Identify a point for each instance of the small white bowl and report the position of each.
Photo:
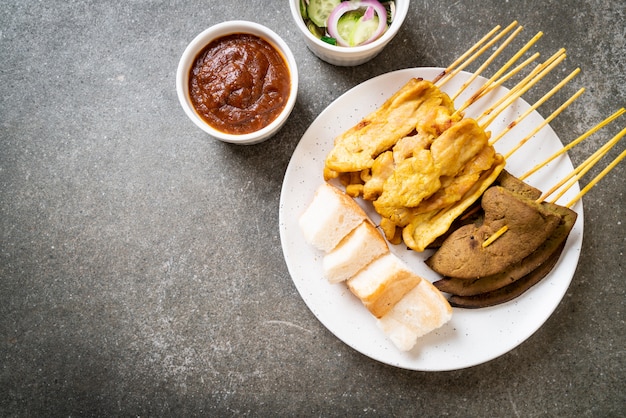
(203, 39)
(349, 56)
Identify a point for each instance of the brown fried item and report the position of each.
(464, 287)
(511, 291)
(512, 183)
(529, 224)
(475, 214)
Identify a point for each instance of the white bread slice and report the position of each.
(330, 216)
(420, 311)
(359, 248)
(383, 283)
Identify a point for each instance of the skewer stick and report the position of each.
(591, 162)
(491, 84)
(573, 179)
(523, 82)
(574, 143)
(495, 236)
(585, 167)
(511, 73)
(471, 59)
(466, 54)
(517, 92)
(535, 106)
(502, 69)
(588, 163)
(597, 179)
(487, 62)
(545, 122)
(579, 172)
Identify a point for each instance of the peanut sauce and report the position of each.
(239, 83)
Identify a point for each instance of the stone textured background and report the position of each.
(141, 270)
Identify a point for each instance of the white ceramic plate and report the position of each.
(472, 336)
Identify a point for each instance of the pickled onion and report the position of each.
(371, 6)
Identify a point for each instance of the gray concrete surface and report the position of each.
(141, 270)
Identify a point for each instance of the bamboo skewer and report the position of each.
(487, 62)
(525, 81)
(585, 166)
(588, 166)
(490, 85)
(574, 143)
(545, 122)
(596, 179)
(466, 54)
(580, 171)
(495, 236)
(577, 175)
(498, 74)
(451, 74)
(535, 106)
(576, 178)
(521, 88)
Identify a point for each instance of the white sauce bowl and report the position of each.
(202, 40)
(349, 56)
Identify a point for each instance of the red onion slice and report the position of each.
(347, 6)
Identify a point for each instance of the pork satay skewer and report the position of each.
(546, 121)
(474, 56)
(573, 143)
(534, 106)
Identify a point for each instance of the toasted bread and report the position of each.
(355, 252)
(383, 283)
(422, 310)
(359, 248)
(330, 216)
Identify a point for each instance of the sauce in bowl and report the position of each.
(239, 83)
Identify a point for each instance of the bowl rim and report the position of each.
(401, 13)
(217, 31)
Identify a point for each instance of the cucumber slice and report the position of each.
(347, 23)
(319, 10)
(353, 29)
(363, 31)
